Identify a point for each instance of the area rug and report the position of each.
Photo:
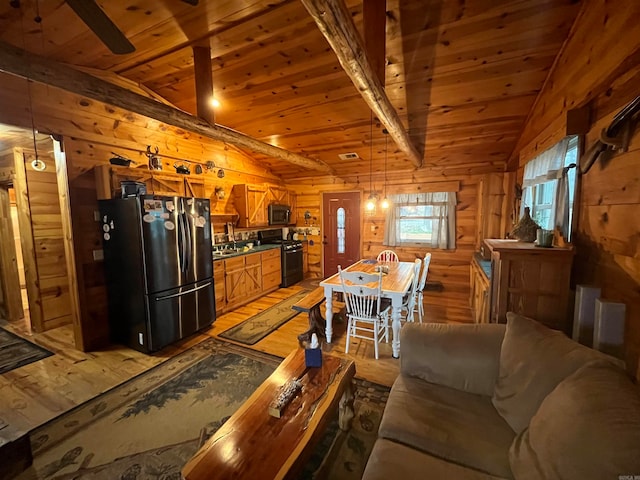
(255, 328)
(149, 427)
(15, 351)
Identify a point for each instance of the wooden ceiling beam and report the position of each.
(374, 16)
(203, 73)
(39, 69)
(335, 23)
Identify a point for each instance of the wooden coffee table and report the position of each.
(252, 444)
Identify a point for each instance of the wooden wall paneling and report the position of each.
(47, 228)
(11, 298)
(601, 71)
(62, 179)
(450, 268)
(583, 71)
(93, 332)
(27, 242)
(104, 129)
(67, 78)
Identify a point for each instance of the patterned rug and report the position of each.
(255, 328)
(149, 427)
(15, 351)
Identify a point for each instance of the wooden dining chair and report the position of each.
(366, 317)
(422, 284)
(387, 256)
(410, 303)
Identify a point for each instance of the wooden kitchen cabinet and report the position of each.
(480, 288)
(239, 280)
(271, 270)
(234, 281)
(243, 279)
(531, 281)
(219, 286)
(251, 202)
(253, 275)
(157, 182)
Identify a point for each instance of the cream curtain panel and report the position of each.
(547, 167)
(443, 233)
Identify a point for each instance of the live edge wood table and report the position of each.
(254, 445)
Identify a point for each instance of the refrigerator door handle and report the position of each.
(189, 247)
(166, 297)
(182, 240)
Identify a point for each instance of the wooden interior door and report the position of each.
(341, 230)
(10, 297)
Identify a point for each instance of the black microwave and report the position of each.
(279, 214)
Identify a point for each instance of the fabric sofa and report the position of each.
(506, 401)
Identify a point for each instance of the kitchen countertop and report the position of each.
(255, 249)
(485, 265)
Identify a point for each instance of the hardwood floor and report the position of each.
(35, 393)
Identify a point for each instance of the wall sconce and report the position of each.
(219, 192)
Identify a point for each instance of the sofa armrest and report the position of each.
(464, 357)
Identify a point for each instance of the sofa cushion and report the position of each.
(392, 460)
(466, 357)
(587, 428)
(534, 359)
(457, 426)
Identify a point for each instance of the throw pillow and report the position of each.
(587, 428)
(534, 359)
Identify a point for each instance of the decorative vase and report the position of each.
(526, 228)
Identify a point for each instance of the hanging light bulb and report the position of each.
(385, 200)
(371, 203)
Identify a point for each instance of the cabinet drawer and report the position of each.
(271, 280)
(271, 265)
(269, 254)
(233, 264)
(252, 259)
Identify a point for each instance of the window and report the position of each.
(549, 186)
(421, 219)
(340, 221)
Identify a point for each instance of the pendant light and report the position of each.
(385, 201)
(370, 206)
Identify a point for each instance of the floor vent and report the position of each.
(348, 156)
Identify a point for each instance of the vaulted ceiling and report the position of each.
(461, 74)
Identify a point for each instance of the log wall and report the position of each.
(601, 72)
(448, 267)
(91, 131)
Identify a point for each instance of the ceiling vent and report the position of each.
(348, 156)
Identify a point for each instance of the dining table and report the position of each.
(396, 282)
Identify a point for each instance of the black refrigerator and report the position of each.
(158, 267)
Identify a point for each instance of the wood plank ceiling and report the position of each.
(461, 74)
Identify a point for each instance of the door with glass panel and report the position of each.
(341, 230)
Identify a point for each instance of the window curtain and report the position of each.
(562, 204)
(546, 167)
(444, 226)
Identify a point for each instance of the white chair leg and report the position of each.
(420, 308)
(346, 348)
(375, 338)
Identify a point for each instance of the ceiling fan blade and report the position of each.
(102, 26)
